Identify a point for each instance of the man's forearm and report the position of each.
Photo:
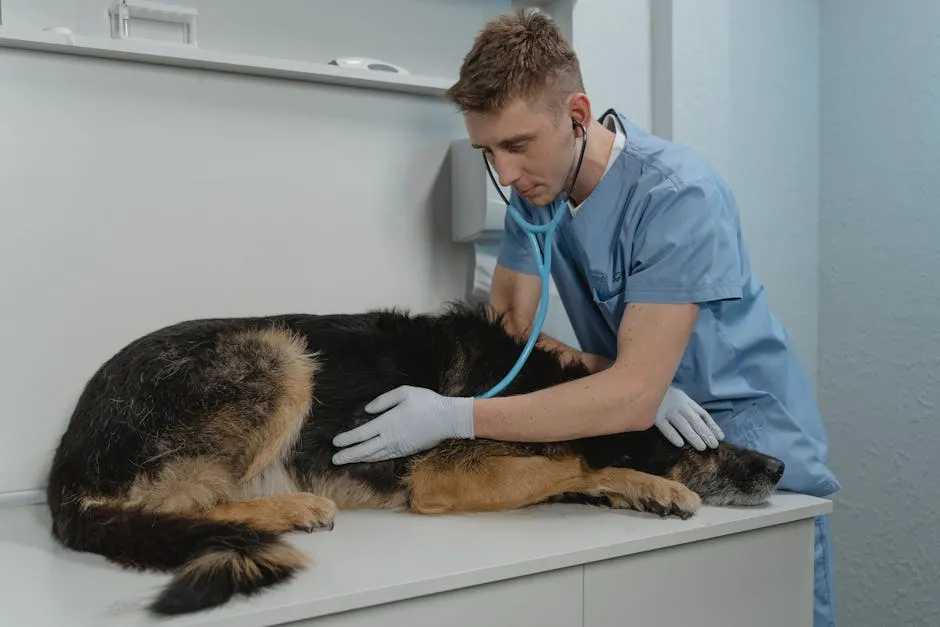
(623, 397)
(600, 404)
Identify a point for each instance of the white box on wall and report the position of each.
(477, 210)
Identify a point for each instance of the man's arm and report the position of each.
(624, 397)
(516, 296)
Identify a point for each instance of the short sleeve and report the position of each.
(687, 246)
(515, 251)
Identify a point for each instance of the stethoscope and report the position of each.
(543, 259)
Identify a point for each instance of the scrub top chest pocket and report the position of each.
(608, 292)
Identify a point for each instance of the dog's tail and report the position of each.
(212, 560)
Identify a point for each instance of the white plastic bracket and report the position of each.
(122, 12)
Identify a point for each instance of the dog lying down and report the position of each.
(195, 447)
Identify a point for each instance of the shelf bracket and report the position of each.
(123, 12)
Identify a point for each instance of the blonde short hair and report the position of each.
(521, 54)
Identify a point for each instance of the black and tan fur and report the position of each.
(194, 448)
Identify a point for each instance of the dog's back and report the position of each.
(178, 389)
(462, 352)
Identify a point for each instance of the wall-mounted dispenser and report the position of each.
(478, 211)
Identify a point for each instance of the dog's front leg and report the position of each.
(503, 482)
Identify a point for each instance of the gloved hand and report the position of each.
(414, 420)
(680, 414)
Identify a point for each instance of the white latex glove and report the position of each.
(412, 420)
(679, 414)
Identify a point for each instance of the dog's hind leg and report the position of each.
(265, 424)
(222, 478)
(445, 483)
(229, 464)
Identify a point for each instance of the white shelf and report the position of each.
(183, 56)
(370, 558)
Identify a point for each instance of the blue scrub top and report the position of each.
(663, 227)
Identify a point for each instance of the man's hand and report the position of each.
(516, 296)
(414, 420)
(679, 414)
(593, 363)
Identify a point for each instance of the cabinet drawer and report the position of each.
(551, 599)
(762, 577)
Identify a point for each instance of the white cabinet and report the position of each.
(764, 577)
(546, 566)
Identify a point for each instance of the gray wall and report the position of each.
(825, 117)
(774, 154)
(879, 309)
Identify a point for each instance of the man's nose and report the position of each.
(506, 170)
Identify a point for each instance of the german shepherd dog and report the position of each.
(196, 447)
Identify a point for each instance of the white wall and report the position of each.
(880, 305)
(612, 39)
(136, 195)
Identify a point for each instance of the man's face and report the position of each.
(529, 148)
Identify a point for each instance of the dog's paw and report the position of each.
(673, 499)
(662, 510)
(662, 498)
(318, 514)
(303, 511)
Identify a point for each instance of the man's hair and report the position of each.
(521, 54)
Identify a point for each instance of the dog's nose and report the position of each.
(775, 468)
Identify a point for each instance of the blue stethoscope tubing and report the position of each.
(543, 260)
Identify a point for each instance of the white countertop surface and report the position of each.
(370, 557)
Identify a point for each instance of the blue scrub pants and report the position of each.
(823, 580)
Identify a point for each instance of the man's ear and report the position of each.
(579, 107)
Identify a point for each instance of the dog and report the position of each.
(196, 447)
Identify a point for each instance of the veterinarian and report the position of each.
(650, 262)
